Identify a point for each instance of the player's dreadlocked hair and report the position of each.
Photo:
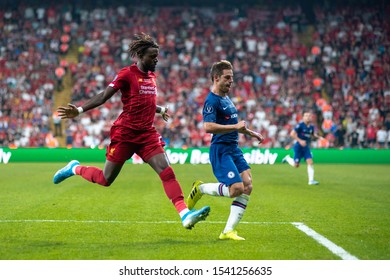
(218, 67)
(140, 44)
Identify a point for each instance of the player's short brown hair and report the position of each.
(218, 67)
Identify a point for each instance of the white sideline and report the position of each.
(337, 250)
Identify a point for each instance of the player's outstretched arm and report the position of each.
(71, 111)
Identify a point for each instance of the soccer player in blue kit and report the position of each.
(302, 134)
(220, 117)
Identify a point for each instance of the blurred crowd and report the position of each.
(31, 42)
(337, 67)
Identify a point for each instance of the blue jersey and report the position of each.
(221, 110)
(226, 159)
(304, 132)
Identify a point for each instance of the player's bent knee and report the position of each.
(107, 184)
(103, 180)
(236, 189)
(248, 189)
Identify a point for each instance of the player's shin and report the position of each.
(310, 172)
(237, 210)
(92, 174)
(215, 189)
(172, 189)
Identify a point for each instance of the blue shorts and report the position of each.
(301, 152)
(227, 161)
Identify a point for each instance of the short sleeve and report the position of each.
(209, 112)
(297, 128)
(120, 80)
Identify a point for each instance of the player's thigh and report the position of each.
(223, 165)
(119, 152)
(159, 162)
(308, 155)
(298, 154)
(246, 176)
(239, 160)
(243, 168)
(111, 170)
(151, 144)
(152, 151)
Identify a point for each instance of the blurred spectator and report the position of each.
(381, 137)
(353, 138)
(371, 135)
(51, 141)
(361, 130)
(339, 134)
(57, 124)
(60, 73)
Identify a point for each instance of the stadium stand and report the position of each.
(336, 65)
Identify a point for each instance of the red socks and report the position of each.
(92, 174)
(172, 189)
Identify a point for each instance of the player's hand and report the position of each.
(241, 127)
(68, 112)
(257, 135)
(302, 142)
(165, 115)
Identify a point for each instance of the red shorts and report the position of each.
(125, 142)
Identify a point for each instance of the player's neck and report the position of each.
(140, 68)
(218, 92)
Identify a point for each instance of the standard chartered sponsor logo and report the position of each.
(147, 89)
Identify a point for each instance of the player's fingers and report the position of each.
(63, 116)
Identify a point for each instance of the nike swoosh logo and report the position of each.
(224, 108)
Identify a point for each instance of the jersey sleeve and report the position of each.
(121, 80)
(297, 128)
(209, 111)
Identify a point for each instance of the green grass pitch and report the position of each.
(134, 220)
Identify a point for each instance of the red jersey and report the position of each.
(139, 92)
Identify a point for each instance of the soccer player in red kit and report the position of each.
(133, 131)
